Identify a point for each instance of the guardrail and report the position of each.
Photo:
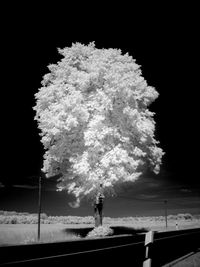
(153, 249)
(77, 250)
(169, 246)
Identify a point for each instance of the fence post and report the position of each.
(39, 205)
(148, 241)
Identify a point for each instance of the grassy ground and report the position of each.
(154, 225)
(27, 233)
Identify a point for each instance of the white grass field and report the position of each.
(150, 223)
(27, 233)
(11, 234)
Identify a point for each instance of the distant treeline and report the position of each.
(13, 217)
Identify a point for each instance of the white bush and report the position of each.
(100, 231)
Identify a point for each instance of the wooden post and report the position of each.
(39, 205)
(176, 225)
(165, 201)
(148, 241)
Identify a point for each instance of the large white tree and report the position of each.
(96, 128)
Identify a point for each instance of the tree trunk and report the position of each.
(98, 214)
(98, 207)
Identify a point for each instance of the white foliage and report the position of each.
(92, 110)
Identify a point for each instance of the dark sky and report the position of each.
(164, 44)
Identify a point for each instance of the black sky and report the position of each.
(164, 44)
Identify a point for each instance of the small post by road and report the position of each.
(149, 237)
(39, 205)
(165, 201)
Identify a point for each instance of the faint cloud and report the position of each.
(25, 186)
(1, 185)
(75, 204)
(153, 184)
(46, 187)
(185, 190)
(51, 189)
(147, 196)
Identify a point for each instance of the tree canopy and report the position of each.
(92, 111)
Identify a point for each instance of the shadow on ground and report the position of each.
(117, 230)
